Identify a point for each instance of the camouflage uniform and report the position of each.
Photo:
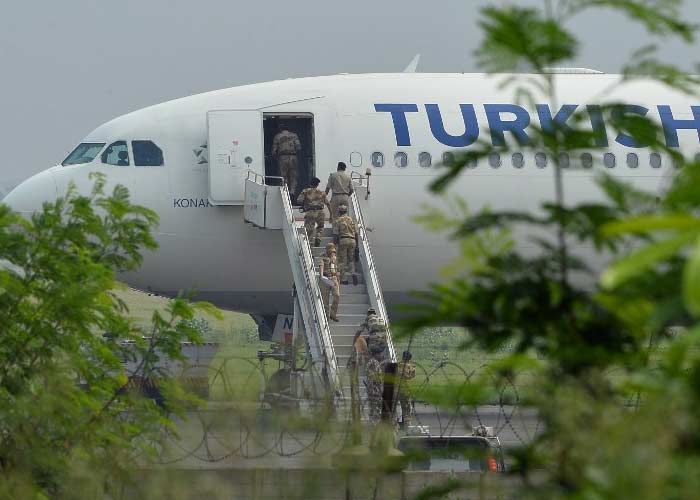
(312, 201)
(330, 270)
(375, 375)
(285, 147)
(405, 373)
(340, 185)
(346, 231)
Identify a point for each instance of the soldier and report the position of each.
(364, 327)
(340, 184)
(405, 372)
(328, 269)
(345, 230)
(377, 339)
(375, 384)
(312, 201)
(285, 148)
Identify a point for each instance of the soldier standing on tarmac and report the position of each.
(340, 184)
(405, 372)
(346, 231)
(330, 286)
(285, 148)
(312, 201)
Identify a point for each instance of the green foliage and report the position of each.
(66, 404)
(522, 39)
(589, 340)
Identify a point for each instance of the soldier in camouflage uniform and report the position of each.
(285, 148)
(345, 230)
(329, 269)
(405, 372)
(312, 201)
(375, 385)
(340, 184)
(364, 327)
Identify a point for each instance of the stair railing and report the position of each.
(308, 290)
(374, 289)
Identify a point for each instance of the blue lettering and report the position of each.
(437, 127)
(600, 133)
(288, 323)
(498, 126)
(550, 124)
(626, 139)
(517, 125)
(672, 125)
(398, 116)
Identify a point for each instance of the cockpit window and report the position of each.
(117, 154)
(147, 154)
(84, 153)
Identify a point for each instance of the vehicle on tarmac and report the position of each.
(480, 452)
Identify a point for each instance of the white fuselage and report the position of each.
(210, 249)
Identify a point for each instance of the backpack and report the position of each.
(375, 324)
(377, 342)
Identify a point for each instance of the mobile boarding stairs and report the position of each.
(329, 344)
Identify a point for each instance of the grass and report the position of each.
(237, 375)
(142, 305)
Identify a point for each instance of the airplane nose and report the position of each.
(29, 196)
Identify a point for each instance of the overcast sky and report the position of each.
(68, 66)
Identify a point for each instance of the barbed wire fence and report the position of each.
(242, 419)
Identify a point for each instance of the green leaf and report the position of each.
(691, 281)
(651, 223)
(638, 262)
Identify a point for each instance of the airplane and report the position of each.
(187, 159)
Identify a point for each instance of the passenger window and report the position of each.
(632, 160)
(401, 159)
(472, 161)
(655, 160)
(116, 153)
(355, 159)
(609, 160)
(564, 161)
(541, 160)
(586, 160)
(518, 160)
(147, 154)
(495, 159)
(448, 158)
(678, 163)
(425, 160)
(377, 159)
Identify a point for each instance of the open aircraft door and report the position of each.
(235, 146)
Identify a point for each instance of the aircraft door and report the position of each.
(235, 146)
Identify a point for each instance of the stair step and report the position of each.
(342, 350)
(360, 289)
(348, 308)
(338, 329)
(351, 319)
(354, 298)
